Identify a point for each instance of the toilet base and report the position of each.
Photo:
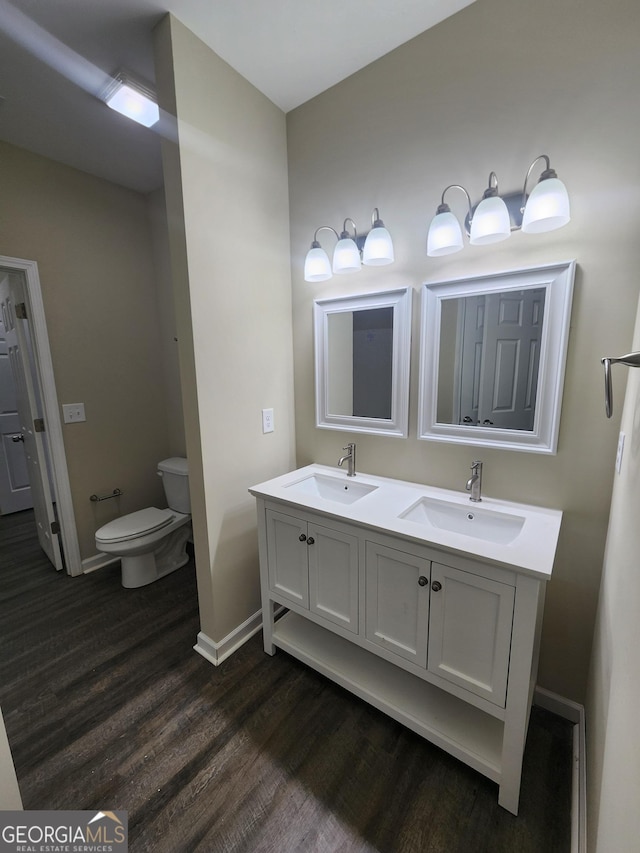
(171, 554)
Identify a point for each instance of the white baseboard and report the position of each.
(557, 704)
(573, 712)
(216, 653)
(98, 561)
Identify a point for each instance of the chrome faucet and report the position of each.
(350, 456)
(474, 483)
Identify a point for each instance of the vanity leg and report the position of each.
(509, 796)
(267, 627)
(525, 645)
(267, 604)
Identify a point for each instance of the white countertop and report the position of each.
(532, 550)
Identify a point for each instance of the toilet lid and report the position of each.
(135, 524)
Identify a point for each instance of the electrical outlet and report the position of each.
(267, 420)
(619, 452)
(73, 413)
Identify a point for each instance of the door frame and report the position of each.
(44, 370)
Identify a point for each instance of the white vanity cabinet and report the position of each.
(313, 565)
(457, 624)
(428, 626)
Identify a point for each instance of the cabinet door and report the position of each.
(470, 631)
(287, 555)
(397, 602)
(333, 576)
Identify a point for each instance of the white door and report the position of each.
(397, 602)
(500, 355)
(470, 631)
(12, 296)
(513, 332)
(15, 490)
(288, 557)
(333, 575)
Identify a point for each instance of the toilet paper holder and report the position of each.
(632, 359)
(114, 494)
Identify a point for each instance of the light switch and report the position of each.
(73, 413)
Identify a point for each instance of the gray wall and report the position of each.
(613, 745)
(226, 188)
(490, 89)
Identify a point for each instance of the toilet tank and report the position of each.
(175, 479)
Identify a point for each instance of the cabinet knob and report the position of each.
(422, 580)
(302, 537)
(436, 586)
(310, 540)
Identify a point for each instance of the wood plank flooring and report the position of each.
(107, 706)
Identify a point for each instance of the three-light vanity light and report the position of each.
(495, 217)
(350, 252)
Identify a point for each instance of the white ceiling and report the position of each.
(55, 56)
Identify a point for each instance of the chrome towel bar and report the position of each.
(114, 494)
(632, 359)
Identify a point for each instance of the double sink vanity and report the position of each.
(426, 602)
(421, 602)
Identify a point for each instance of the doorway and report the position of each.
(37, 415)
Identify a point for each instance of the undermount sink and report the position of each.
(469, 520)
(337, 489)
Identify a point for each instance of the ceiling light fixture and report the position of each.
(495, 217)
(372, 249)
(132, 98)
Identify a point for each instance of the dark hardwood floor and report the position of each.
(107, 706)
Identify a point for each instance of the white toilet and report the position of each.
(152, 542)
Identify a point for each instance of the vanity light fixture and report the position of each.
(495, 217)
(131, 98)
(372, 249)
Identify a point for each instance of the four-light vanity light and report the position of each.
(495, 217)
(374, 249)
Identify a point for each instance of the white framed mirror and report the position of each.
(362, 356)
(492, 358)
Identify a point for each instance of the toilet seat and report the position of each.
(135, 524)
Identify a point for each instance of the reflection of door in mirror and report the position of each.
(491, 345)
(360, 362)
(372, 362)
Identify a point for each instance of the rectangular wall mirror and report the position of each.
(362, 354)
(492, 358)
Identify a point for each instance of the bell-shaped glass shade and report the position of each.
(490, 222)
(378, 248)
(346, 257)
(445, 235)
(547, 207)
(316, 265)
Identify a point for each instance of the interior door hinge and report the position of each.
(55, 527)
(21, 311)
(38, 424)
